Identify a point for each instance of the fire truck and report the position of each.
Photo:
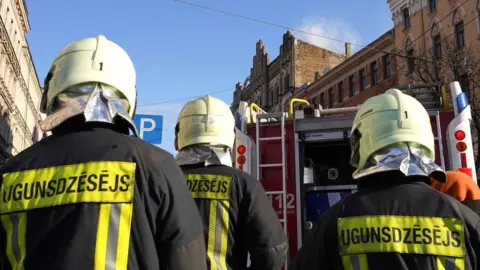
(302, 157)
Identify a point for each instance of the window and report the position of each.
(351, 85)
(287, 82)
(331, 97)
(460, 35)
(276, 94)
(386, 66)
(322, 100)
(437, 46)
(465, 84)
(374, 72)
(433, 5)
(270, 98)
(406, 18)
(341, 92)
(410, 61)
(363, 79)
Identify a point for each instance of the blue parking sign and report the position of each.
(149, 127)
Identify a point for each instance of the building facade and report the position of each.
(272, 84)
(430, 29)
(20, 91)
(368, 72)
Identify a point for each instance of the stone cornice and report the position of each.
(22, 15)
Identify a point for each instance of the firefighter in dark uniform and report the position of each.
(237, 214)
(91, 196)
(395, 220)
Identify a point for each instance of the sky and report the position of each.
(181, 52)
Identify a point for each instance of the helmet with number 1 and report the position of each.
(206, 120)
(91, 60)
(387, 120)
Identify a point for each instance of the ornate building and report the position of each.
(20, 91)
(367, 73)
(272, 84)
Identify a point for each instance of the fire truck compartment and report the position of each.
(328, 163)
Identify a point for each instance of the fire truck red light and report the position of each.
(460, 135)
(461, 146)
(241, 149)
(241, 160)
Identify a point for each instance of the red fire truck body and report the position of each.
(303, 161)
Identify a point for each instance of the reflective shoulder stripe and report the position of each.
(113, 236)
(209, 186)
(450, 263)
(15, 226)
(401, 234)
(355, 262)
(217, 239)
(91, 182)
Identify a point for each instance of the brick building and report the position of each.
(368, 72)
(423, 27)
(272, 84)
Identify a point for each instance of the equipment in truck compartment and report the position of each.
(331, 162)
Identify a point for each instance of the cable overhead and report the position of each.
(306, 32)
(381, 65)
(185, 98)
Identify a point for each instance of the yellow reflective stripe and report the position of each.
(91, 182)
(450, 263)
(102, 236)
(124, 230)
(15, 226)
(218, 227)
(355, 262)
(212, 224)
(402, 234)
(224, 207)
(113, 236)
(209, 186)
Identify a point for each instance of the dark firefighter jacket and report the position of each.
(394, 222)
(97, 199)
(238, 218)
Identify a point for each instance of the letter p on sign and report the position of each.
(149, 127)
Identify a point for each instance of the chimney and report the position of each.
(348, 49)
(238, 87)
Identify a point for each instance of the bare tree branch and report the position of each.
(452, 64)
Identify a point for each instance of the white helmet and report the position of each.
(205, 120)
(91, 60)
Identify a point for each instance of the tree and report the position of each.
(445, 63)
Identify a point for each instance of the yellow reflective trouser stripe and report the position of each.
(218, 234)
(113, 236)
(355, 262)
(15, 226)
(450, 263)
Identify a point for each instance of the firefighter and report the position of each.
(90, 196)
(462, 187)
(237, 214)
(395, 220)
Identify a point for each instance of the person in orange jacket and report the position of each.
(462, 187)
(459, 185)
